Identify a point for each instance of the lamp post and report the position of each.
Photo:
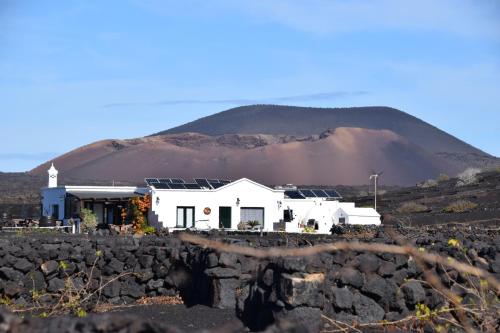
(375, 178)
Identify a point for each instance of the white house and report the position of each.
(212, 208)
(218, 204)
(209, 204)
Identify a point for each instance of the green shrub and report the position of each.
(412, 207)
(460, 206)
(309, 230)
(89, 220)
(253, 224)
(149, 230)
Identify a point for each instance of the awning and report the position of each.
(104, 194)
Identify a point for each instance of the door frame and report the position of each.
(221, 225)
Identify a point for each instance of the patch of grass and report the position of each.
(412, 207)
(460, 206)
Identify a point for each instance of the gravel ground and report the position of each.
(189, 319)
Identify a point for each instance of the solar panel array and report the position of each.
(312, 193)
(179, 183)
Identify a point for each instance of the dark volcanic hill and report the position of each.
(282, 144)
(303, 121)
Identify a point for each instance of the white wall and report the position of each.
(250, 194)
(53, 196)
(319, 209)
(359, 216)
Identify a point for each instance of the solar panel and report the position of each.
(202, 182)
(192, 186)
(177, 181)
(161, 186)
(164, 180)
(213, 180)
(224, 181)
(294, 195)
(308, 193)
(320, 193)
(332, 193)
(177, 186)
(151, 181)
(215, 184)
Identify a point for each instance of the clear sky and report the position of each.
(73, 72)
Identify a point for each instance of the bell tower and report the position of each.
(52, 176)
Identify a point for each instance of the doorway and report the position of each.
(225, 217)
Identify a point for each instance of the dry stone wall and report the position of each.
(346, 286)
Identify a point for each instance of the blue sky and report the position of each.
(74, 72)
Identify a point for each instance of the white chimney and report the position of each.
(52, 176)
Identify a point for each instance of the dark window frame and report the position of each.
(184, 208)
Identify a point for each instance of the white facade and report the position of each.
(321, 214)
(53, 201)
(318, 212)
(239, 200)
(202, 209)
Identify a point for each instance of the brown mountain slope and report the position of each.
(341, 156)
(294, 120)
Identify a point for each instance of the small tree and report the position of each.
(136, 214)
(89, 220)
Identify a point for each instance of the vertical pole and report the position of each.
(376, 177)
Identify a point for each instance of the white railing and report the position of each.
(72, 227)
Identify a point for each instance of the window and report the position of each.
(252, 214)
(185, 217)
(288, 215)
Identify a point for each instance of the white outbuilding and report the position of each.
(349, 214)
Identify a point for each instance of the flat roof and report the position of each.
(360, 211)
(103, 192)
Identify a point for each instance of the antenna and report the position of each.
(375, 176)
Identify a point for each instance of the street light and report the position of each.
(375, 180)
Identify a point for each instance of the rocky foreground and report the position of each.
(45, 275)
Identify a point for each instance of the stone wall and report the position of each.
(346, 286)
